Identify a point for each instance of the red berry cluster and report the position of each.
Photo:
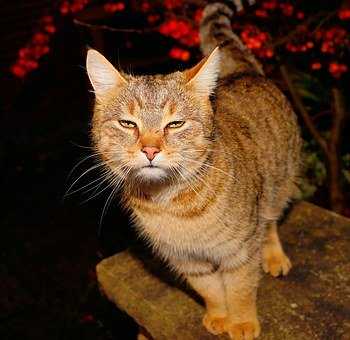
(179, 53)
(332, 38)
(261, 13)
(112, 7)
(315, 66)
(337, 69)
(38, 46)
(153, 18)
(172, 4)
(299, 48)
(87, 318)
(145, 6)
(180, 30)
(287, 9)
(72, 6)
(256, 41)
(269, 5)
(197, 16)
(344, 14)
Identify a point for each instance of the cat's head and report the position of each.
(153, 128)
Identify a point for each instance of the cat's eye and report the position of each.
(127, 124)
(175, 124)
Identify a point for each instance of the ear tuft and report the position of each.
(203, 77)
(102, 74)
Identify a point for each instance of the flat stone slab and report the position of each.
(312, 302)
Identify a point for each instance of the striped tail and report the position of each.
(215, 30)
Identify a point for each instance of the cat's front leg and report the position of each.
(241, 288)
(210, 287)
(207, 282)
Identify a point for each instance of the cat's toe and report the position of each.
(214, 324)
(244, 330)
(276, 263)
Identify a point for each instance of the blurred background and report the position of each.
(53, 231)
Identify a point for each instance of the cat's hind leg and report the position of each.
(274, 260)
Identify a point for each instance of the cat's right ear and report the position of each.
(102, 74)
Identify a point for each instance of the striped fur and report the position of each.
(231, 169)
(215, 30)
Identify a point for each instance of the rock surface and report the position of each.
(312, 302)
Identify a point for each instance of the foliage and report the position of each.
(316, 41)
(313, 40)
(314, 170)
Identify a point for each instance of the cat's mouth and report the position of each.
(151, 172)
(151, 166)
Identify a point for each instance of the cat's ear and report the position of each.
(102, 74)
(203, 77)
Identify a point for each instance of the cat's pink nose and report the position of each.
(150, 152)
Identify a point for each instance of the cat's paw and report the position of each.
(275, 262)
(248, 330)
(214, 324)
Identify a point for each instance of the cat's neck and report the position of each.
(198, 186)
(161, 192)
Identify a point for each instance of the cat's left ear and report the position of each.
(203, 77)
(102, 74)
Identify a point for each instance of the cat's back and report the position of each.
(259, 130)
(252, 109)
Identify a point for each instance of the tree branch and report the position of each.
(334, 162)
(302, 110)
(339, 116)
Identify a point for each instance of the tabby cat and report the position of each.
(207, 160)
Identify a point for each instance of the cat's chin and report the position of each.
(152, 174)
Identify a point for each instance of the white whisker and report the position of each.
(85, 173)
(210, 166)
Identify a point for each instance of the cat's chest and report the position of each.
(173, 236)
(170, 228)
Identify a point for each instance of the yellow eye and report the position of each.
(127, 124)
(175, 124)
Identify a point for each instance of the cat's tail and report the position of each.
(215, 30)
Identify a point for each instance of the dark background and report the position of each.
(50, 244)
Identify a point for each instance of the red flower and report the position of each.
(300, 15)
(40, 38)
(64, 9)
(270, 5)
(18, 71)
(287, 9)
(145, 6)
(327, 47)
(114, 7)
(255, 40)
(344, 14)
(87, 318)
(292, 48)
(171, 4)
(269, 53)
(152, 18)
(47, 19)
(50, 29)
(24, 52)
(309, 44)
(198, 14)
(261, 13)
(180, 30)
(179, 53)
(316, 65)
(337, 69)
